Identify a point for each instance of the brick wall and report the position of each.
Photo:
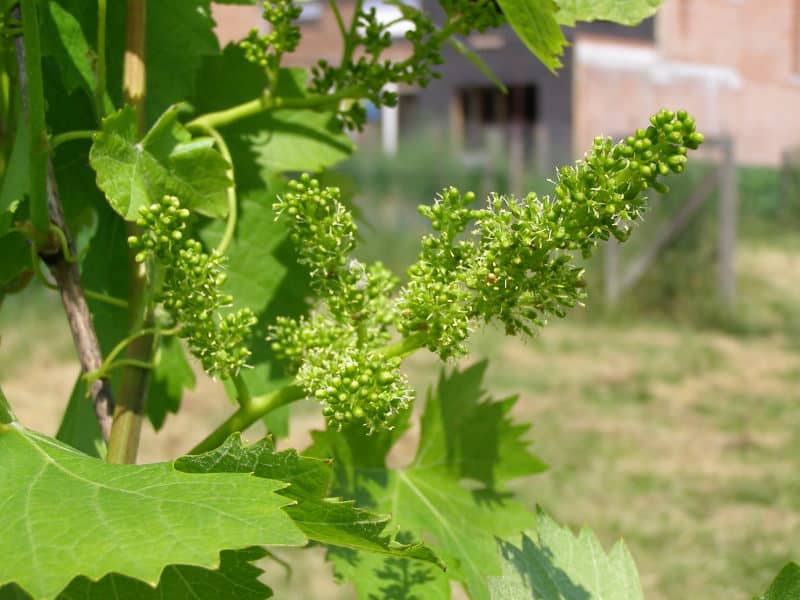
(730, 62)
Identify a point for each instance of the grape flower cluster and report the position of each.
(518, 267)
(337, 352)
(266, 50)
(512, 261)
(364, 71)
(191, 288)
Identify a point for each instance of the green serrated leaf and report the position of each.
(236, 579)
(553, 564)
(626, 12)
(323, 520)
(460, 415)
(133, 173)
(377, 576)
(786, 585)
(125, 519)
(171, 376)
(429, 497)
(535, 23)
(268, 143)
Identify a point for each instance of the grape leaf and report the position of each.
(428, 496)
(298, 140)
(15, 176)
(101, 271)
(626, 12)
(180, 33)
(328, 521)
(171, 375)
(236, 579)
(269, 142)
(786, 585)
(67, 514)
(16, 255)
(553, 564)
(63, 39)
(377, 576)
(132, 172)
(534, 22)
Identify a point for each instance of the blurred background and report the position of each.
(667, 407)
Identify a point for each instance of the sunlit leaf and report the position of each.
(429, 497)
(133, 173)
(66, 514)
(553, 564)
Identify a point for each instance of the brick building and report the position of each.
(735, 64)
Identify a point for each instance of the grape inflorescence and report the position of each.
(512, 261)
(191, 288)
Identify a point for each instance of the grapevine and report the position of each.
(180, 196)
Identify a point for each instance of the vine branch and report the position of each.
(268, 103)
(233, 208)
(66, 273)
(123, 443)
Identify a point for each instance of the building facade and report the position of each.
(735, 64)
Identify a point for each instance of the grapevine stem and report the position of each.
(126, 362)
(243, 396)
(68, 136)
(339, 19)
(29, 50)
(100, 297)
(247, 415)
(268, 103)
(65, 250)
(230, 224)
(258, 406)
(123, 443)
(347, 51)
(38, 271)
(408, 345)
(109, 364)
